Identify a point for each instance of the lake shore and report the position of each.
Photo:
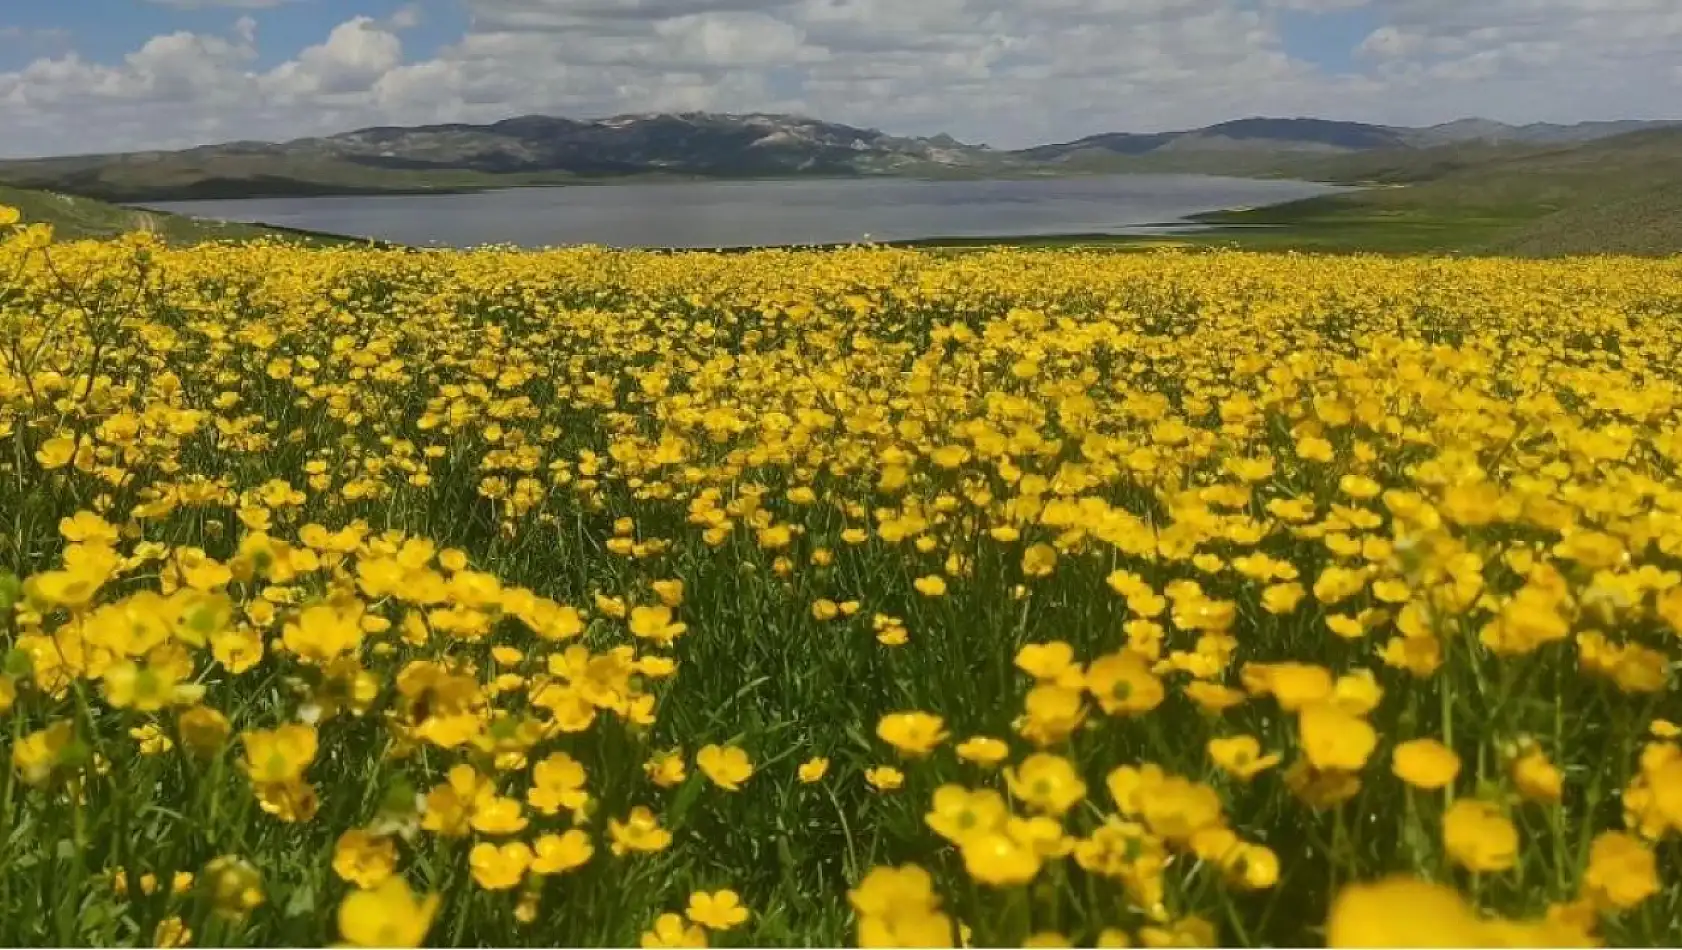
(760, 213)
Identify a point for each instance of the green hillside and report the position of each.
(1617, 195)
(74, 217)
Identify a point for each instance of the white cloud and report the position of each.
(406, 17)
(355, 56)
(1007, 72)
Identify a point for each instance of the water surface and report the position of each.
(749, 213)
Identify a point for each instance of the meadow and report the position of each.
(865, 597)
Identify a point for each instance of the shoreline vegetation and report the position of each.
(1311, 224)
(1618, 198)
(1461, 188)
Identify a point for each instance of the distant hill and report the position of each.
(1286, 146)
(74, 217)
(536, 149)
(1617, 195)
(1472, 185)
(1536, 133)
(524, 150)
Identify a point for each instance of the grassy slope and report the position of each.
(129, 178)
(1618, 195)
(75, 217)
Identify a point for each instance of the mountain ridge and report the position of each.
(544, 149)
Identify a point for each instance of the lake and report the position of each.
(763, 212)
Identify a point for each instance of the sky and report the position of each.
(80, 76)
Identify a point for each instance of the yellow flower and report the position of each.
(557, 782)
(1425, 763)
(323, 632)
(1479, 837)
(1622, 871)
(666, 769)
(670, 592)
(1403, 912)
(1123, 684)
(1113, 938)
(1052, 714)
(884, 778)
(984, 751)
(913, 734)
(1047, 783)
(1253, 867)
(655, 623)
(499, 868)
(931, 585)
(720, 910)
(1050, 662)
(1334, 739)
(1240, 756)
(142, 688)
(959, 812)
(387, 916)
(557, 854)
(727, 766)
(364, 859)
(234, 885)
(171, 932)
(897, 907)
(1176, 808)
(1039, 560)
(998, 859)
(640, 831)
(669, 930)
(495, 815)
(1282, 598)
(279, 756)
(1294, 685)
(813, 769)
(1536, 778)
(56, 452)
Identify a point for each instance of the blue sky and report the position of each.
(78, 75)
(1327, 39)
(108, 29)
(105, 30)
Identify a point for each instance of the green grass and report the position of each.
(74, 217)
(1618, 195)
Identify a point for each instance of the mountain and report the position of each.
(1286, 143)
(538, 149)
(530, 149)
(1252, 135)
(1536, 133)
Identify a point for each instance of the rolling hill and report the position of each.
(75, 217)
(1617, 195)
(1471, 185)
(533, 150)
(519, 151)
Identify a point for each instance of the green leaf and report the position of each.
(302, 901)
(11, 589)
(686, 797)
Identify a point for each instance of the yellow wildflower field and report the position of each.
(870, 597)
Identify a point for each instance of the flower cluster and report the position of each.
(589, 597)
